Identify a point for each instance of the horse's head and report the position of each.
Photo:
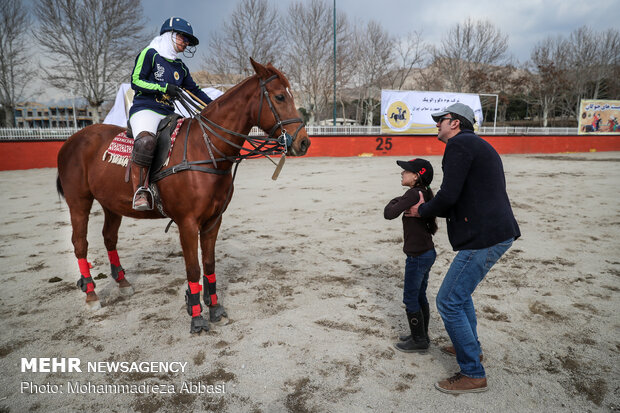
(277, 113)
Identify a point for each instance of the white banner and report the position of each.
(409, 112)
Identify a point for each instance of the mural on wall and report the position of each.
(599, 117)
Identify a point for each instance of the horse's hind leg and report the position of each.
(79, 207)
(208, 237)
(111, 224)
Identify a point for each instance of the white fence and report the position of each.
(357, 130)
(56, 134)
(36, 134)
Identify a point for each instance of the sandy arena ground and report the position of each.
(311, 276)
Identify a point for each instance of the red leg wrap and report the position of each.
(195, 288)
(113, 256)
(212, 288)
(85, 267)
(114, 260)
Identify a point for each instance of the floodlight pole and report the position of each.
(496, 99)
(335, 63)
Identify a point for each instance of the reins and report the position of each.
(263, 146)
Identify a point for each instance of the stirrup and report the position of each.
(148, 193)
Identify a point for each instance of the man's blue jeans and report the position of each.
(456, 307)
(417, 270)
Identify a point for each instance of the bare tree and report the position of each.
(15, 59)
(464, 49)
(583, 51)
(548, 79)
(592, 59)
(374, 60)
(608, 58)
(506, 81)
(253, 30)
(92, 44)
(410, 52)
(309, 52)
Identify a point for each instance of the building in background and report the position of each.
(36, 115)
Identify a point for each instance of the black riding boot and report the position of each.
(417, 342)
(426, 312)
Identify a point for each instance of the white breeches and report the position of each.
(145, 120)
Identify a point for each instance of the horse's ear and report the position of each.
(260, 70)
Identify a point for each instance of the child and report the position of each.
(417, 174)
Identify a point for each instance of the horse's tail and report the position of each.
(61, 192)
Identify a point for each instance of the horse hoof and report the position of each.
(126, 291)
(216, 313)
(198, 325)
(93, 305)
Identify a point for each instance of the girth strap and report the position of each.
(187, 166)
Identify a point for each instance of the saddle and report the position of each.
(164, 141)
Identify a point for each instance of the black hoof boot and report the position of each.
(198, 325)
(216, 313)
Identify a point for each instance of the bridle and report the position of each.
(263, 145)
(285, 139)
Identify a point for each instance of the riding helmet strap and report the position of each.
(85, 283)
(118, 273)
(212, 298)
(192, 298)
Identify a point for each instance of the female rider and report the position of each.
(157, 79)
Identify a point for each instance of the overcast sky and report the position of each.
(526, 22)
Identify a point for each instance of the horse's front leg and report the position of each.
(188, 230)
(208, 237)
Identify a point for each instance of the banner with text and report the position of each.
(599, 117)
(409, 112)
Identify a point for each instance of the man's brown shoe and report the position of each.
(458, 384)
(451, 351)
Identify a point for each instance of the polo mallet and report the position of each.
(278, 165)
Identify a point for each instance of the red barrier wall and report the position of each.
(28, 155)
(42, 154)
(421, 145)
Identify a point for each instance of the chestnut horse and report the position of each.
(193, 196)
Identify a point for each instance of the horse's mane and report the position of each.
(272, 71)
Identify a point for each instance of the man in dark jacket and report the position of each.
(481, 227)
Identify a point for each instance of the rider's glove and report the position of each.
(173, 91)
